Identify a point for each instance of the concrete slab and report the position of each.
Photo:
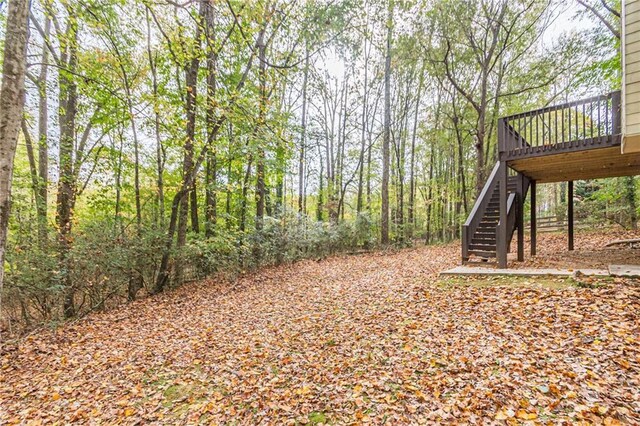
(624, 270)
(526, 272)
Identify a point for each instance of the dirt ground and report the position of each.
(374, 338)
(589, 250)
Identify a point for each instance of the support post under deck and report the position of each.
(520, 217)
(534, 224)
(501, 243)
(570, 214)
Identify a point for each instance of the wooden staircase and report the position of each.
(483, 241)
(565, 142)
(481, 232)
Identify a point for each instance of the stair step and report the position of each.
(483, 253)
(481, 247)
(480, 261)
(484, 236)
(488, 224)
(483, 240)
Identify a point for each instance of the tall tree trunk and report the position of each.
(229, 159)
(384, 219)
(262, 110)
(156, 122)
(341, 152)
(631, 198)
(412, 176)
(211, 212)
(118, 181)
(14, 69)
(66, 182)
(245, 190)
(320, 204)
(303, 136)
(191, 87)
(363, 136)
(43, 142)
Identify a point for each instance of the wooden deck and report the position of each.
(567, 142)
(592, 163)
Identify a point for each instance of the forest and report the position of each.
(164, 141)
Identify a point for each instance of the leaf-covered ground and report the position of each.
(373, 338)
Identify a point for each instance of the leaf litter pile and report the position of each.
(350, 340)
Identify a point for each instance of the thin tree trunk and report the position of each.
(156, 114)
(260, 161)
(43, 147)
(229, 169)
(384, 219)
(118, 180)
(303, 136)
(320, 188)
(243, 200)
(67, 182)
(412, 177)
(211, 212)
(359, 201)
(631, 198)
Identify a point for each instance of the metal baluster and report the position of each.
(555, 125)
(584, 122)
(599, 121)
(591, 117)
(569, 126)
(577, 136)
(562, 124)
(537, 140)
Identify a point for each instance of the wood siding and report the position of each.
(631, 76)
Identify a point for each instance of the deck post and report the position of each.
(501, 231)
(520, 217)
(616, 113)
(534, 224)
(570, 214)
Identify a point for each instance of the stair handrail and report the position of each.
(475, 216)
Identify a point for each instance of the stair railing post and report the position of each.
(570, 215)
(616, 113)
(502, 140)
(534, 224)
(520, 217)
(501, 230)
(501, 237)
(465, 243)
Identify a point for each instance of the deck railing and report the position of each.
(570, 126)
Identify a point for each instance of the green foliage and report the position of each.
(608, 200)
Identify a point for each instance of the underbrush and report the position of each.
(109, 264)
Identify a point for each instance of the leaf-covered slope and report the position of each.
(352, 339)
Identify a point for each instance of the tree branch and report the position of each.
(602, 19)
